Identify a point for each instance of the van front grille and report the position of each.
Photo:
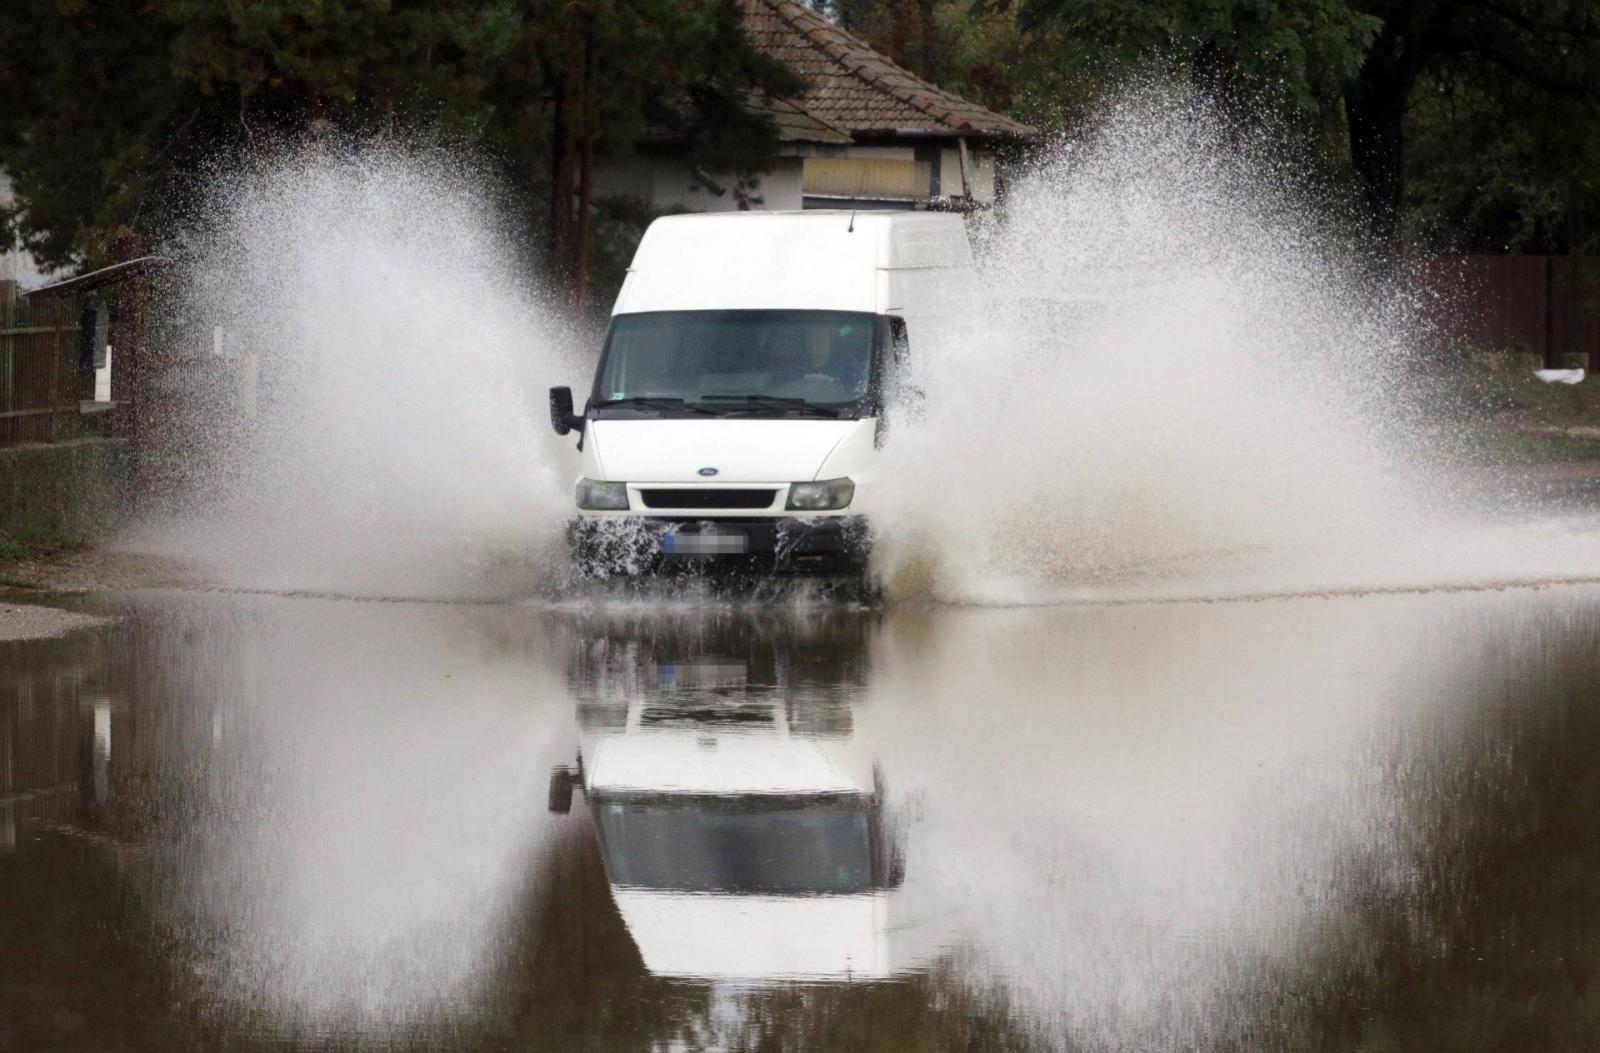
(707, 498)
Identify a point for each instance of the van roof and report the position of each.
(817, 259)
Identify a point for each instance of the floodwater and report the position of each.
(264, 822)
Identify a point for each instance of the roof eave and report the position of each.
(951, 134)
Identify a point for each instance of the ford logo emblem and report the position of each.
(708, 471)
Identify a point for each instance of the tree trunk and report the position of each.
(559, 223)
(582, 236)
(591, 118)
(930, 41)
(1219, 82)
(899, 31)
(567, 129)
(1376, 112)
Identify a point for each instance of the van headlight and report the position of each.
(595, 496)
(829, 495)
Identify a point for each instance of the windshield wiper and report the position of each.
(778, 402)
(652, 402)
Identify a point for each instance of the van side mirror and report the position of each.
(888, 837)
(899, 342)
(903, 391)
(894, 389)
(562, 419)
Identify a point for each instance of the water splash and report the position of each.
(1178, 370)
(1178, 379)
(390, 440)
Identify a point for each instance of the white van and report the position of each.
(741, 824)
(750, 852)
(741, 395)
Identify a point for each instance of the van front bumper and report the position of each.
(608, 546)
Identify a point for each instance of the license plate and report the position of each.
(705, 544)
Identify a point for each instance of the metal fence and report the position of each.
(1545, 304)
(42, 381)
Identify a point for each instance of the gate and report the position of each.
(46, 370)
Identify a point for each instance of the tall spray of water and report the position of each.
(371, 305)
(1175, 379)
(1172, 374)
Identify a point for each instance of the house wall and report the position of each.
(980, 164)
(887, 153)
(668, 185)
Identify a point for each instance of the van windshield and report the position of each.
(738, 361)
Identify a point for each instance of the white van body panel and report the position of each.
(752, 261)
(680, 762)
(854, 457)
(764, 938)
(818, 260)
(742, 451)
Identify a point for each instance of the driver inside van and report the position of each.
(848, 356)
(826, 365)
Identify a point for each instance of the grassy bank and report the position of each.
(1511, 416)
(26, 546)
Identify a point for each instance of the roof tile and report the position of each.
(855, 90)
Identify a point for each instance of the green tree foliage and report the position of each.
(979, 52)
(1355, 67)
(1543, 53)
(1465, 124)
(1498, 165)
(107, 107)
(87, 109)
(909, 31)
(603, 73)
(1304, 48)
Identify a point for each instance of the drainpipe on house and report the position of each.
(703, 177)
(966, 168)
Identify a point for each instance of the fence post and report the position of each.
(52, 312)
(8, 312)
(128, 366)
(1550, 313)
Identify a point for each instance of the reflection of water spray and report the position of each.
(399, 350)
(348, 796)
(1151, 818)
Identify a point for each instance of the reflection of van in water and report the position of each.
(747, 380)
(742, 831)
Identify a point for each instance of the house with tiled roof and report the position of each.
(866, 133)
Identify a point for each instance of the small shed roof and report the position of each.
(857, 91)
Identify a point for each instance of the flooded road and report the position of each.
(257, 822)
